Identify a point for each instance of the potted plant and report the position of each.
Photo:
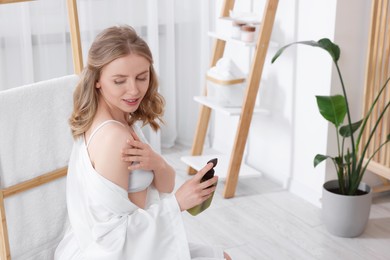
(346, 202)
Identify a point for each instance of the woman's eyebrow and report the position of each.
(144, 72)
(119, 76)
(124, 76)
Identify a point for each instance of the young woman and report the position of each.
(119, 198)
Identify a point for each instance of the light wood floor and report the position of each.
(264, 221)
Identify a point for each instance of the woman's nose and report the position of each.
(132, 87)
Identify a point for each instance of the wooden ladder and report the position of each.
(252, 88)
(5, 252)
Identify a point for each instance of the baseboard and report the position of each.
(306, 193)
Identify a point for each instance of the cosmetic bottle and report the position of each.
(204, 205)
(248, 33)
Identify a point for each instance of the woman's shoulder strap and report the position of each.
(99, 127)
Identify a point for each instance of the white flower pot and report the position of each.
(345, 216)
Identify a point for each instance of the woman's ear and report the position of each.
(97, 85)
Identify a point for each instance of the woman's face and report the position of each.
(123, 83)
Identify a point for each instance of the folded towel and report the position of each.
(225, 69)
(35, 138)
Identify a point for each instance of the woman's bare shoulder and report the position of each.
(106, 153)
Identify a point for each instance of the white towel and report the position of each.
(35, 138)
(226, 69)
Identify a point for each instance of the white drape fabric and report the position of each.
(35, 46)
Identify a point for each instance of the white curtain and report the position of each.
(35, 45)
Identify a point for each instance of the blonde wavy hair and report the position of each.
(113, 43)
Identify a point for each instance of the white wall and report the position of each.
(283, 144)
(315, 20)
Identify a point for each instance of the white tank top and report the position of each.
(138, 179)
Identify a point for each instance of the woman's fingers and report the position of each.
(131, 151)
(134, 135)
(208, 191)
(199, 175)
(136, 143)
(208, 183)
(134, 166)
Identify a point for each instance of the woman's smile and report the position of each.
(131, 102)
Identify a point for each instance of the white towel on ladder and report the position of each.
(35, 138)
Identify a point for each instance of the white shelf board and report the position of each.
(230, 39)
(198, 162)
(231, 111)
(272, 44)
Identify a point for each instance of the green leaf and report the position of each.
(339, 161)
(281, 50)
(324, 43)
(345, 130)
(330, 47)
(348, 158)
(332, 108)
(319, 158)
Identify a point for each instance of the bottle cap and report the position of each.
(248, 28)
(238, 23)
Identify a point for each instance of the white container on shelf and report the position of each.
(248, 33)
(228, 93)
(223, 26)
(236, 29)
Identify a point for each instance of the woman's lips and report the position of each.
(131, 101)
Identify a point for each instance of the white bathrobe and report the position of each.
(104, 224)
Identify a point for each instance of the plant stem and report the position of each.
(371, 135)
(349, 169)
(340, 173)
(365, 167)
(369, 113)
(349, 118)
(338, 145)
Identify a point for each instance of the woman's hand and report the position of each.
(141, 156)
(193, 192)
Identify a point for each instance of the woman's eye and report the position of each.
(119, 82)
(142, 79)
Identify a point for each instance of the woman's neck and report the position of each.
(108, 111)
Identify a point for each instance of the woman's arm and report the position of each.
(105, 153)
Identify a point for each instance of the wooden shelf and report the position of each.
(230, 111)
(238, 41)
(234, 169)
(230, 39)
(221, 170)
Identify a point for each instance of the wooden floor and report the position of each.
(264, 221)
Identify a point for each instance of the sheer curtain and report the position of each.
(35, 46)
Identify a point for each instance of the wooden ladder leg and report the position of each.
(5, 252)
(205, 112)
(250, 98)
(200, 135)
(75, 36)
